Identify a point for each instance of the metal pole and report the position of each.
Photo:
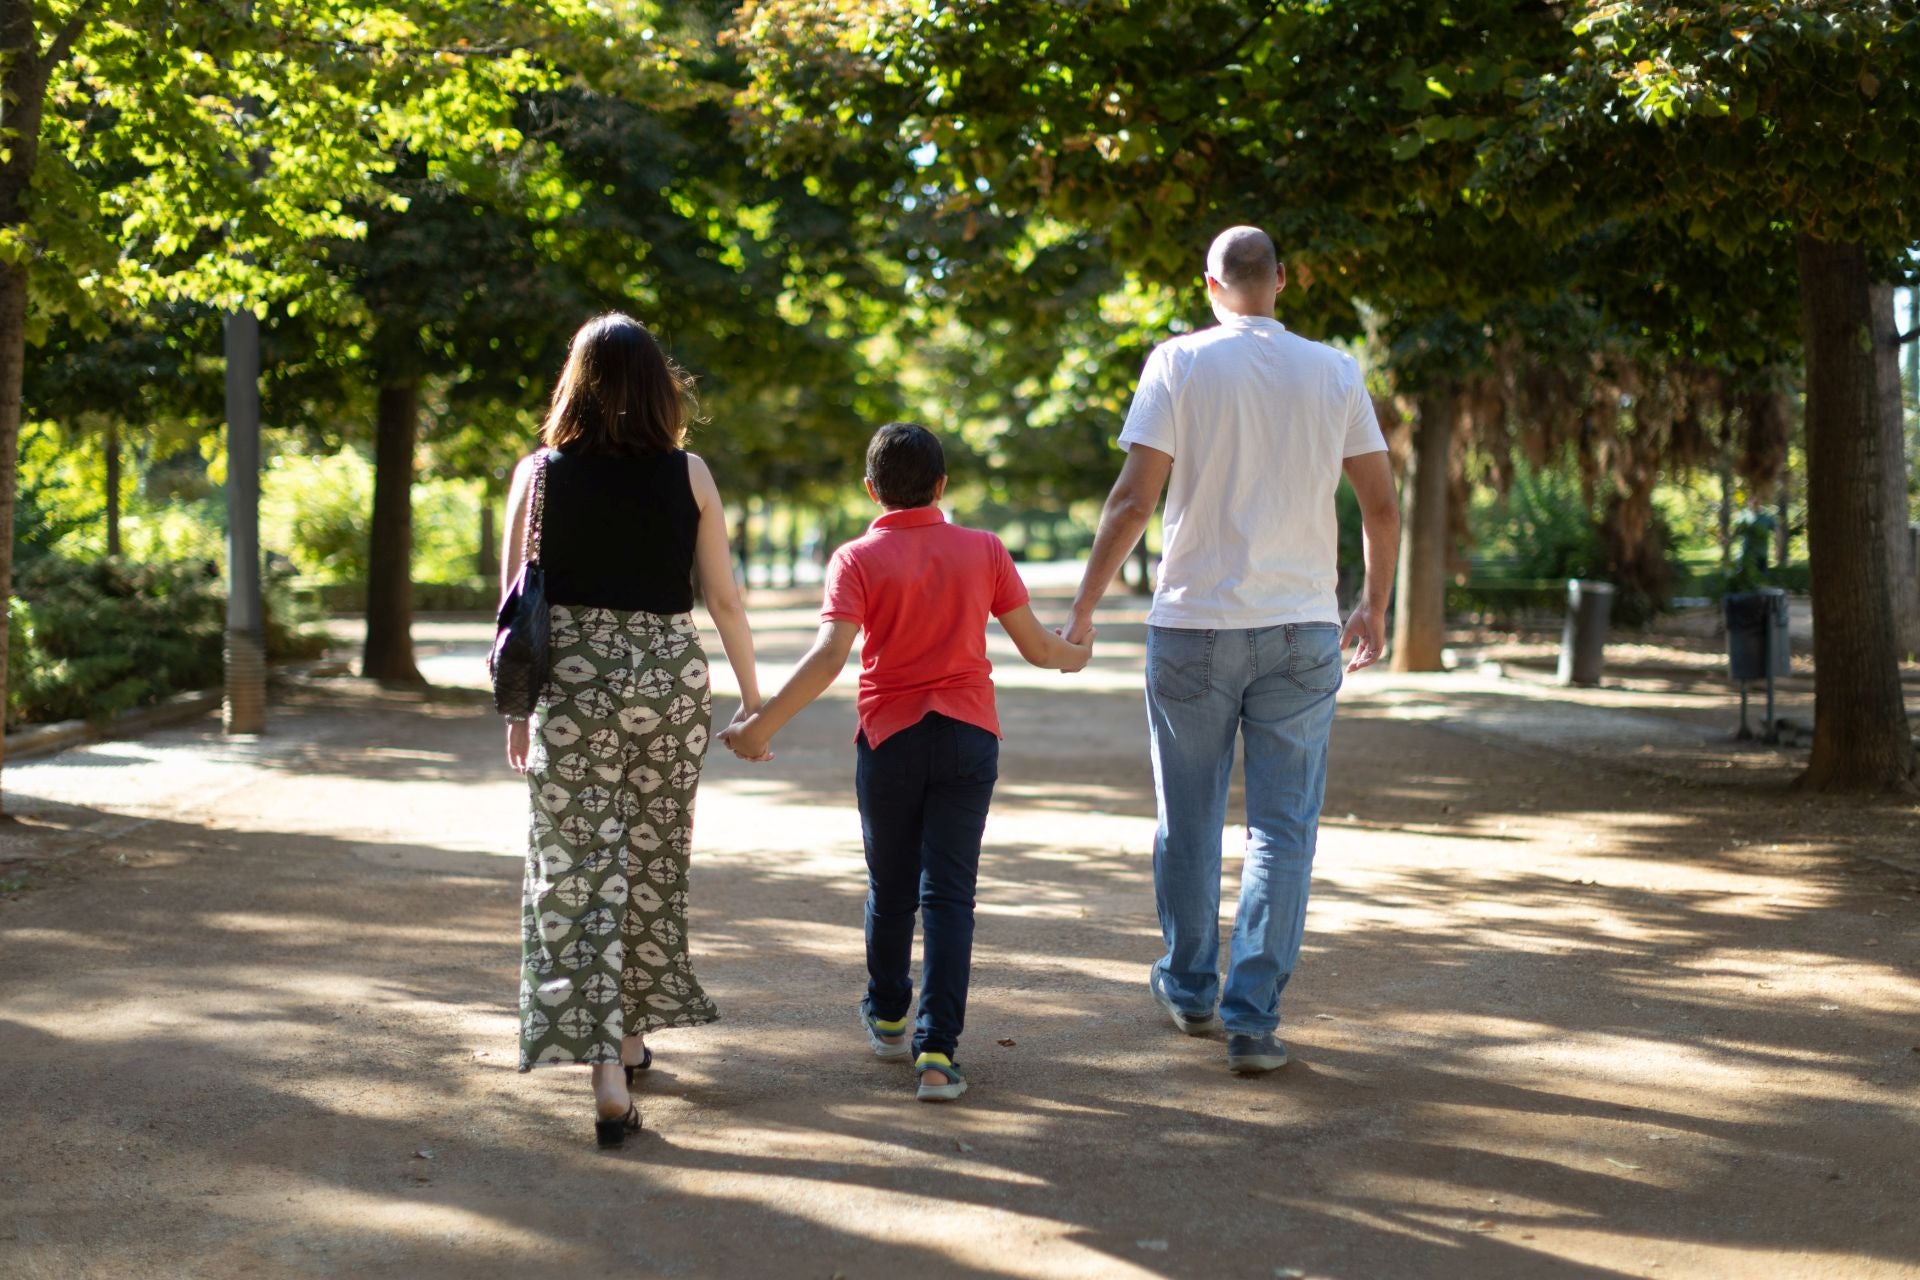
(246, 649)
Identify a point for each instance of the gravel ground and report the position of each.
(1585, 993)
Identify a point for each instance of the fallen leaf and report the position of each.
(1157, 1246)
(960, 1144)
(1006, 1043)
(424, 1153)
(1621, 1163)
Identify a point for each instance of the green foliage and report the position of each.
(90, 640)
(1542, 528)
(314, 510)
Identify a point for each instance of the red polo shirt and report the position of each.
(922, 591)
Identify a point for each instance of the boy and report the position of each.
(929, 740)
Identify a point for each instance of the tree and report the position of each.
(1771, 128)
(131, 125)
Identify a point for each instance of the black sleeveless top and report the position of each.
(619, 531)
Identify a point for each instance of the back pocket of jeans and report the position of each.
(1179, 663)
(1313, 656)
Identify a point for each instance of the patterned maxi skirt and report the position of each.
(617, 743)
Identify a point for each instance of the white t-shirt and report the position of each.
(1258, 421)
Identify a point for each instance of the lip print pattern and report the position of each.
(594, 704)
(623, 725)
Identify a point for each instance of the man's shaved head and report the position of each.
(1242, 256)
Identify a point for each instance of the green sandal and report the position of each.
(956, 1083)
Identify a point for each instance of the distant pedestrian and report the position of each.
(1253, 427)
(921, 590)
(614, 750)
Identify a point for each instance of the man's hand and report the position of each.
(747, 738)
(519, 734)
(1365, 626)
(1079, 629)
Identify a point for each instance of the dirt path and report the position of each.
(1559, 1015)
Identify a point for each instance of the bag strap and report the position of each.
(537, 508)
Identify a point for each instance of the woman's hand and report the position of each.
(519, 734)
(747, 738)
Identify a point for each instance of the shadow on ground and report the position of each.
(1555, 1017)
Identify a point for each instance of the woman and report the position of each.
(613, 751)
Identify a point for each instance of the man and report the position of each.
(1253, 426)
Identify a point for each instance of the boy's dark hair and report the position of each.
(905, 462)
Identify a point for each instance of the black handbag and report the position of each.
(522, 650)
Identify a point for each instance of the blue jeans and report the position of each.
(923, 796)
(1275, 687)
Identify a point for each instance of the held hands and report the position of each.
(747, 738)
(1365, 626)
(1077, 637)
(1075, 654)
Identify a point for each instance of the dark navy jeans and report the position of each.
(923, 795)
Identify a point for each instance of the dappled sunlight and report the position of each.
(1560, 1021)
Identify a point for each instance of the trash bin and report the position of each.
(1757, 643)
(1583, 644)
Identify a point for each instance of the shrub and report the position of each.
(90, 640)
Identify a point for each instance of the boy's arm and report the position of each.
(1044, 648)
(817, 671)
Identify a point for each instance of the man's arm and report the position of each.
(1371, 475)
(1122, 522)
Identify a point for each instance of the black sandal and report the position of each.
(613, 1133)
(641, 1065)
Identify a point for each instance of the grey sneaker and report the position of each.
(895, 1050)
(1193, 1024)
(1251, 1055)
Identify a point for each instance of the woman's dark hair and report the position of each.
(619, 392)
(905, 462)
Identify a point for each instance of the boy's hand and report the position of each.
(1078, 653)
(746, 739)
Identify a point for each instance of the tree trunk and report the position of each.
(1893, 428)
(112, 447)
(1783, 503)
(1726, 512)
(743, 543)
(486, 561)
(1420, 609)
(793, 546)
(389, 650)
(1143, 563)
(1860, 735)
(244, 707)
(24, 90)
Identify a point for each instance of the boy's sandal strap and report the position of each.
(951, 1073)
